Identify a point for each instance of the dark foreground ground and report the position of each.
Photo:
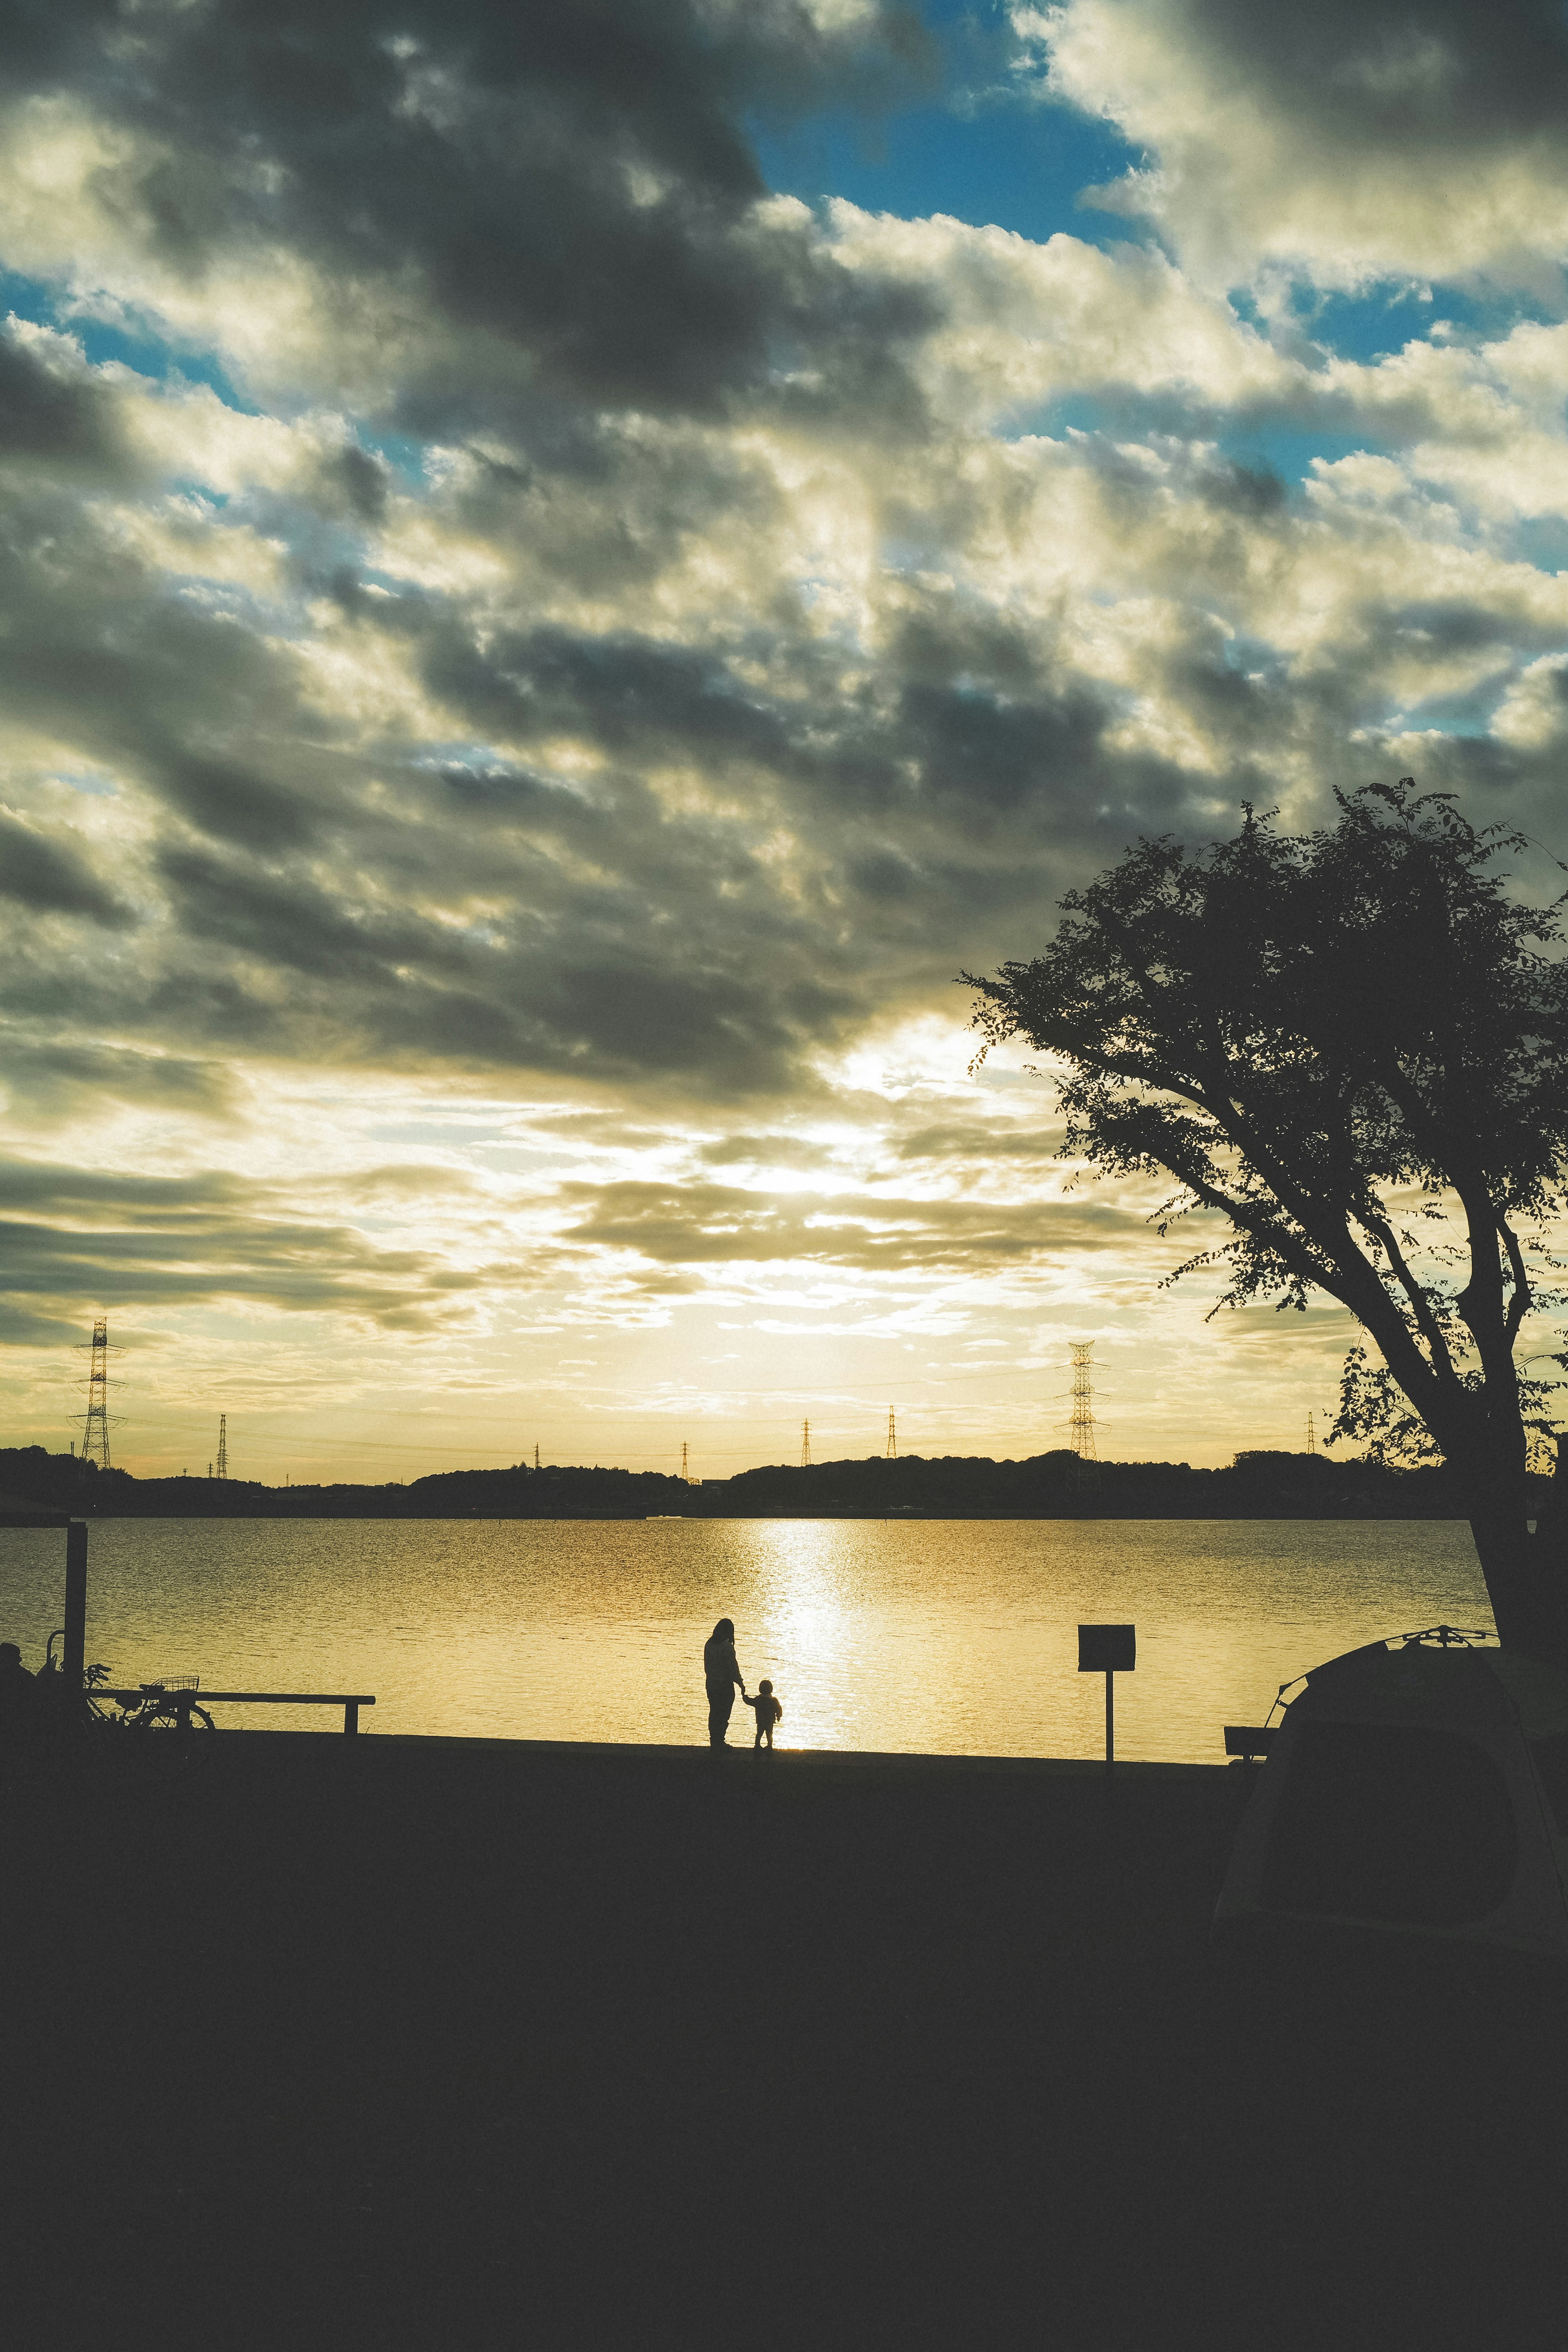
(450, 2044)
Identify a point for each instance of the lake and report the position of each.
(956, 1636)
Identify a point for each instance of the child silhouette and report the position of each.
(767, 1711)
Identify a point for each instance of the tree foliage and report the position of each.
(1352, 1045)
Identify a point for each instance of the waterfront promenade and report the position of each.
(463, 2043)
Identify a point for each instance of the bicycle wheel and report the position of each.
(165, 1745)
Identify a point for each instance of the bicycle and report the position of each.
(169, 1729)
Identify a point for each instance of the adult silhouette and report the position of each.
(17, 1697)
(721, 1672)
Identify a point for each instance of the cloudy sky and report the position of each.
(565, 567)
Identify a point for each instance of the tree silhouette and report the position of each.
(1353, 1045)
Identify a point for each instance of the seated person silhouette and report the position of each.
(16, 1694)
(767, 1711)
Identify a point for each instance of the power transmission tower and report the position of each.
(95, 1428)
(1312, 1435)
(892, 1454)
(536, 1457)
(685, 1474)
(805, 1445)
(1082, 1423)
(223, 1469)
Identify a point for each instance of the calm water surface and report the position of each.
(944, 1636)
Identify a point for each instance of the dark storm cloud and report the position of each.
(847, 820)
(69, 1236)
(98, 651)
(1391, 74)
(630, 693)
(570, 177)
(60, 1074)
(688, 1224)
(68, 422)
(578, 972)
(961, 717)
(617, 936)
(49, 878)
(978, 1142)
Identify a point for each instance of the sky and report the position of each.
(566, 568)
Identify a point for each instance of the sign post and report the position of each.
(1108, 1650)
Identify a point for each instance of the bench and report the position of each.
(1247, 1741)
(351, 1706)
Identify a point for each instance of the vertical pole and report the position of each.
(350, 1716)
(73, 1655)
(1110, 1720)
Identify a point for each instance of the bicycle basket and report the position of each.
(179, 1682)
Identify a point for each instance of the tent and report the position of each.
(1414, 1789)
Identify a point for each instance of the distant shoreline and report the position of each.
(1056, 1486)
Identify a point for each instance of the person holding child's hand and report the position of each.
(721, 1672)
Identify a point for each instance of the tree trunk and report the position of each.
(1527, 1575)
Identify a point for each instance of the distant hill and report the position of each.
(1056, 1486)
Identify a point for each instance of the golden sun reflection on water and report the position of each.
(940, 1637)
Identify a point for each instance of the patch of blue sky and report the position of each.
(1254, 658)
(1006, 165)
(976, 146)
(1542, 541)
(1289, 451)
(133, 344)
(1382, 320)
(199, 493)
(1075, 412)
(406, 456)
(1466, 713)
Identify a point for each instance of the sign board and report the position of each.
(1107, 1649)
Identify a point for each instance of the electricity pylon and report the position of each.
(1082, 1422)
(892, 1454)
(805, 1445)
(95, 1428)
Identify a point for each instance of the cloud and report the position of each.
(1346, 143)
(75, 1236)
(526, 202)
(53, 410)
(690, 1224)
(52, 876)
(497, 605)
(52, 1074)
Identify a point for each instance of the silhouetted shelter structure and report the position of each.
(16, 1512)
(1415, 1789)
